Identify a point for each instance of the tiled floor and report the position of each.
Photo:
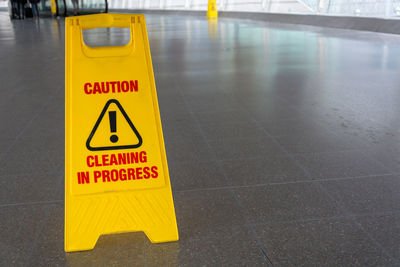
(282, 141)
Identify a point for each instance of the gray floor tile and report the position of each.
(6, 143)
(195, 151)
(34, 139)
(264, 106)
(172, 109)
(232, 130)
(186, 129)
(23, 105)
(191, 83)
(264, 170)
(222, 246)
(189, 176)
(244, 148)
(19, 226)
(202, 209)
(366, 195)
(286, 202)
(14, 125)
(313, 142)
(340, 165)
(18, 161)
(49, 121)
(163, 79)
(387, 156)
(350, 123)
(321, 243)
(202, 93)
(29, 187)
(290, 126)
(226, 116)
(211, 103)
(166, 89)
(385, 229)
(168, 117)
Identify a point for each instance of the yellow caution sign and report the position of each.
(116, 173)
(212, 12)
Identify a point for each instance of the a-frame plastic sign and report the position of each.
(116, 173)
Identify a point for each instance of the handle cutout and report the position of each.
(106, 37)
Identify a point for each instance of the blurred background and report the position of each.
(366, 8)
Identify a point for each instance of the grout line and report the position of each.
(334, 179)
(31, 203)
(248, 223)
(31, 173)
(280, 183)
(349, 216)
(333, 218)
(319, 153)
(279, 156)
(380, 213)
(16, 138)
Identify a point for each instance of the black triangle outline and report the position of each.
(88, 146)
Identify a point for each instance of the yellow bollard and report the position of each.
(212, 12)
(53, 7)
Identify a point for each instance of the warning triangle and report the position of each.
(113, 130)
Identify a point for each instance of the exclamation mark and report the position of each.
(113, 125)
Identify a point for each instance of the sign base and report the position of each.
(113, 213)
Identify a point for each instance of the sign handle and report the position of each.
(107, 21)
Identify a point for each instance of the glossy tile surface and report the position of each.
(282, 142)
